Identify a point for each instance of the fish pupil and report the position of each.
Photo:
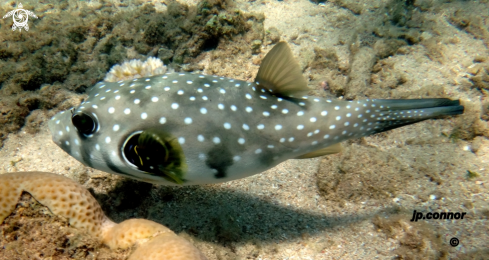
(84, 123)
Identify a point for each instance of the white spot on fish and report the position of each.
(237, 85)
(97, 147)
(274, 106)
(136, 101)
(175, 81)
(200, 138)
(154, 99)
(188, 120)
(67, 129)
(278, 127)
(206, 85)
(144, 115)
(260, 126)
(348, 115)
(326, 136)
(203, 110)
(300, 113)
(257, 151)
(336, 108)
(181, 140)
(167, 88)
(241, 140)
(313, 119)
(266, 113)
(220, 106)
(338, 118)
(204, 98)
(270, 146)
(248, 96)
(77, 142)
(115, 128)
(227, 125)
(222, 91)
(174, 105)
(324, 113)
(233, 107)
(189, 82)
(192, 98)
(127, 111)
(111, 110)
(162, 120)
(314, 142)
(95, 106)
(132, 91)
(332, 127)
(249, 109)
(216, 140)
(107, 139)
(60, 133)
(291, 139)
(236, 158)
(180, 92)
(282, 140)
(148, 87)
(285, 111)
(246, 127)
(67, 143)
(300, 127)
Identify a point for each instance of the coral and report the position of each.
(135, 69)
(68, 199)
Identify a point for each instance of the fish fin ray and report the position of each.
(280, 74)
(332, 149)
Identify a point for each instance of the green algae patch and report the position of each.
(72, 46)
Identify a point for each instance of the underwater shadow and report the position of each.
(222, 215)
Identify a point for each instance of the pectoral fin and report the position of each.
(335, 148)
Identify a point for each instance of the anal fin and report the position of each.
(332, 149)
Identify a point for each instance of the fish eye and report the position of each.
(84, 123)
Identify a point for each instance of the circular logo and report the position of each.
(20, 17)
(454, 241)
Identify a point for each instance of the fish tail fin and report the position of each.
(394, 113)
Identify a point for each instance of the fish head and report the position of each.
(100, 135)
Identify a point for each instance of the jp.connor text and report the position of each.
(437, 215)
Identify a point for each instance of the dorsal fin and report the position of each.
(335, 148)
(280, 74)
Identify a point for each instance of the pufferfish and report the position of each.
(185, 129)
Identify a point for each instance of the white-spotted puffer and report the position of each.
(185, 128)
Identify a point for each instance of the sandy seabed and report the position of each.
(354, 205)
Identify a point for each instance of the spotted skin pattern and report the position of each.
(227, 128)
